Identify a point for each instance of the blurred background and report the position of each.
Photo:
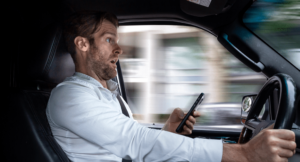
(165, 67)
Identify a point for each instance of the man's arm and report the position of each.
(79, 111)
(270, 145)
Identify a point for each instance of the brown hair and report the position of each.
(85, 24)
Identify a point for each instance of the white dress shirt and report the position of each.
(87, 122)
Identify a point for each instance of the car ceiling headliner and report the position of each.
(40, 13)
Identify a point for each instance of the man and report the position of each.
(86, 119)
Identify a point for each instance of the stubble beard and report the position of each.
(100, 66)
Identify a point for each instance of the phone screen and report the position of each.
(197, 102)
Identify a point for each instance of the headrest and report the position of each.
(48, 62)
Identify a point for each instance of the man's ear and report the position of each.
(82, 43)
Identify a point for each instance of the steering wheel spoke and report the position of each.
(257, 125)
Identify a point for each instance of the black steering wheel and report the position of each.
(286, 110)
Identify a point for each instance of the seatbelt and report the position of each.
(124, 110)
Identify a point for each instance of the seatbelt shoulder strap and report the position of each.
(124, 110)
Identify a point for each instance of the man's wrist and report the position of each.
(234, 153)
(244, 152)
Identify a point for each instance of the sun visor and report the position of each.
(201, 8)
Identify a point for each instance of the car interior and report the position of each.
(38, 60)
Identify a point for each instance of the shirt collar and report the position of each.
(111, 85)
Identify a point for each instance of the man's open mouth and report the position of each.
(114, 61)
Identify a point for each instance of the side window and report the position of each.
(165, 67)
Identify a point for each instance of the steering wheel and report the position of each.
(286, 110)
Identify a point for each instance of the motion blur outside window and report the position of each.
(277, 22)
(165, 67)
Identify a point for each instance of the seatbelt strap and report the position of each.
(124, 110)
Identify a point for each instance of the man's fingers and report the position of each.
(196, 114)
(186, 130)
(281, 159)
(285, 153)
(189, 124)
(284, 134)
(191, 119)
(280, 133)
(291, 145)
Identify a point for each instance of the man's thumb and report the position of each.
(271, 126)
(179, 113)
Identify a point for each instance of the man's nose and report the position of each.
(118, 50)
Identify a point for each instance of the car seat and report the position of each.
(28, 135)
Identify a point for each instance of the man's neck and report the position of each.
(93, 75)
(103, 82)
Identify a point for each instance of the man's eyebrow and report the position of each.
(108, 33)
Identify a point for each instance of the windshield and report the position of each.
(277, 22)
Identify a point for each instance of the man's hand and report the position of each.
(176, 117)
(270, 145)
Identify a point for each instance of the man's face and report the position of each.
(104, 53)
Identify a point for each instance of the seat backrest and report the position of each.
(27, 134)
(30, 137)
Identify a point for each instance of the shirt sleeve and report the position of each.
(81, 112)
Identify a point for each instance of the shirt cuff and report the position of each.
(207, 150)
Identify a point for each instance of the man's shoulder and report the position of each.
(72, 87)
(75, 82)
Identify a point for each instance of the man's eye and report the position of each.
(108, 40)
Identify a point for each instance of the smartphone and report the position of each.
(197, 102)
